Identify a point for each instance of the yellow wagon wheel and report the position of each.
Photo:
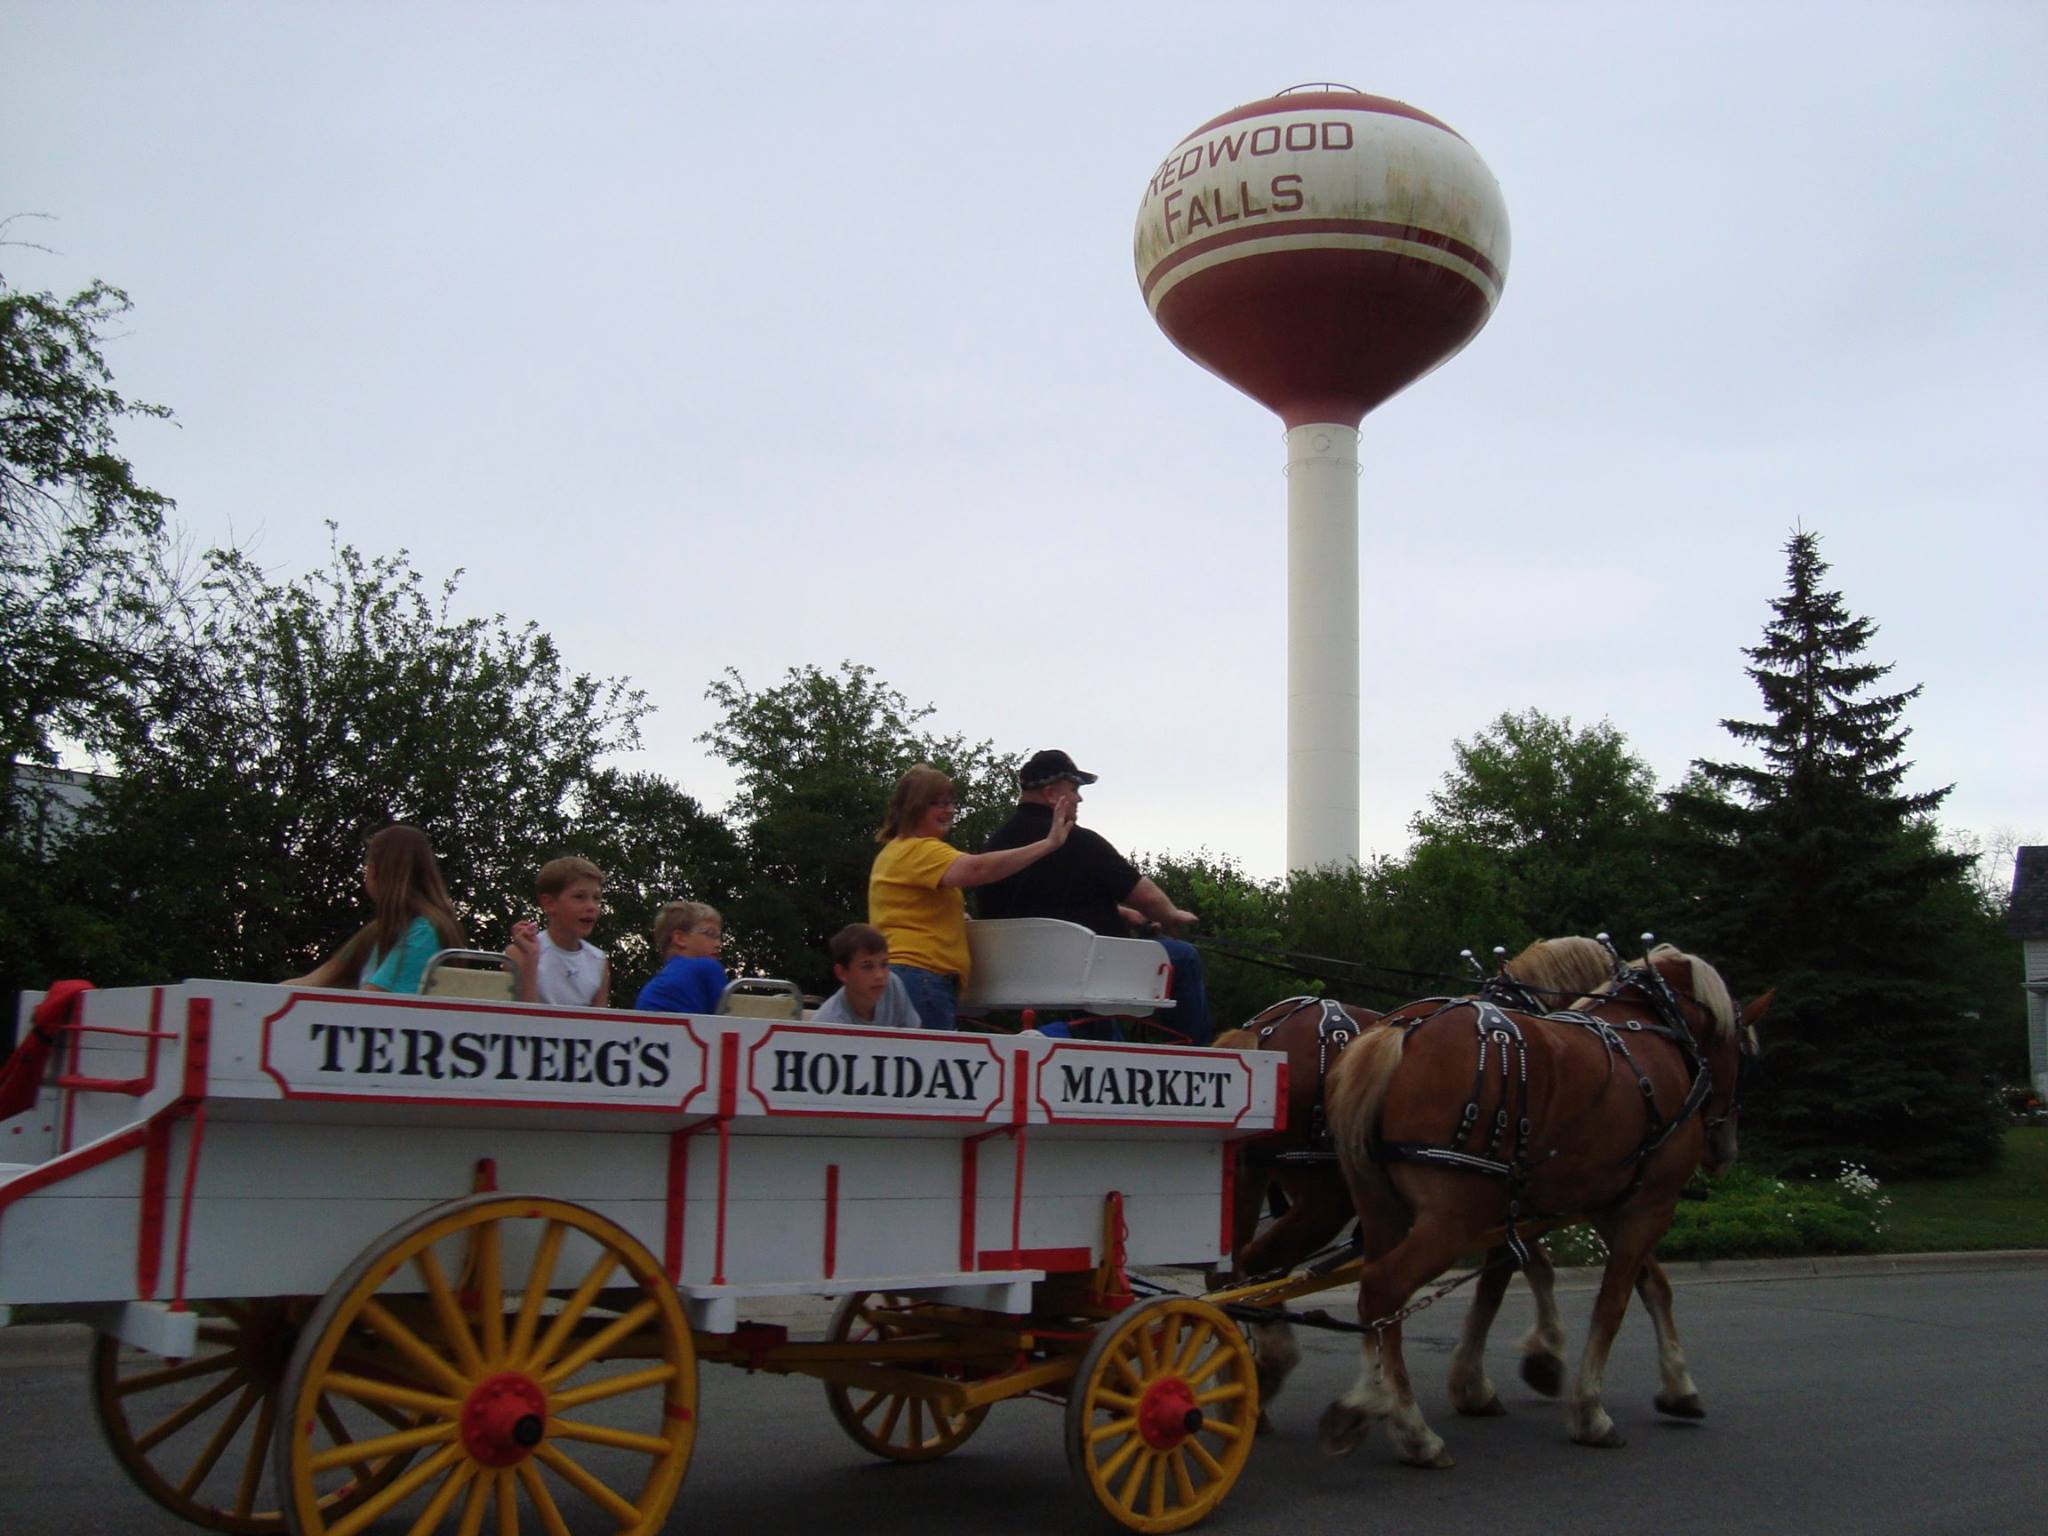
(195, 1434)
(898, 1426)
(559, 1371)
(1161, 1414)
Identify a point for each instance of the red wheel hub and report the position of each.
(504, 1419)
(1168, 1414)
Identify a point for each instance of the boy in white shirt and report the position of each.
(559, 964)
(869, 992)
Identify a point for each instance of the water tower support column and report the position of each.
(1322, 645)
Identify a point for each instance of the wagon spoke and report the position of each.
(395, 1493)
(1158, 1486)
(370, 1393)
(1166, 1343)
(356, 1452)
(536, 1291)
(543, 1501)
(444, 1496)
(335, 1428)
(454, 1330)
(611, 1386)
(875, 1400)
(1119, 1456)
(1129, 1372)
(598, 1343)
(172, 1374)
(1183, 1484)
(604, 1434)
(1200, 1452)
(1201, 1335)
(415, 1350)
(1148, 1361)
(478, 1506)
(1218, 1427)
(1141, 1467)
(585, 1483)
(508, 1503)
(888, 1430)
(259, 1455)
(185, 1415)
(1111, 1399)
(210, 1456)
(565, 1321)
(490, 1306)
(1210, 1367)
(1223, 1394)
(1122, 1426)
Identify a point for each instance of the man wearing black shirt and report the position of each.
(1087, 881)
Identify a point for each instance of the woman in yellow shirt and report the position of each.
(915, 890)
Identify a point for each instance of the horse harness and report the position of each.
(1335, 1029)
(1504, 1154)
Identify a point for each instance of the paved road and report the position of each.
(1865, 1404)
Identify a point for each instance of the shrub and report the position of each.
(1751, 1214)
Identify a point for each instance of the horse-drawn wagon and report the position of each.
(412, 1264)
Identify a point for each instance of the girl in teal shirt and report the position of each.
(414, 919)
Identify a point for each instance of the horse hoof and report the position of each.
(1686, 1407)
(1492, 1408)
(1341, 1428)
(1441, 1461)
(1545, 1373)
(1611, 1441)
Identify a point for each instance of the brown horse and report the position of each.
(1314, 1033)
(1453, 1119)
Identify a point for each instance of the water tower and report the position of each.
(1322, 250)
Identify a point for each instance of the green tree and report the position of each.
(817, 755)
(79, 535)
(77, 529)
(1819, 873)
(1540, 829)
(302, 714)
(655, 844)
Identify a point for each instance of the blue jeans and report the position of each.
(1190, 1012)
(935, 997)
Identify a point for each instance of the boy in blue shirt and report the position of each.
(689, 934)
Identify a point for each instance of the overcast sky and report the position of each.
(754, 336)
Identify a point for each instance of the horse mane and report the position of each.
(1562, 968)
(1236, 1040)
(1707, 989)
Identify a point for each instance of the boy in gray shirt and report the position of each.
(869, 992)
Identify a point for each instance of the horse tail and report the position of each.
(1353, 1095)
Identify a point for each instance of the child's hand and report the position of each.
(524, 953)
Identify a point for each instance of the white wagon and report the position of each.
(409, 1264)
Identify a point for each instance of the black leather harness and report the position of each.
(1504, 1153)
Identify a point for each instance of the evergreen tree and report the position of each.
(1819, 873)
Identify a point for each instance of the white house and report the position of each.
(2027, 921)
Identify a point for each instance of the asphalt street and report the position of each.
(1862, 1402)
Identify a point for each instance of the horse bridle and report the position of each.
(1664, 999)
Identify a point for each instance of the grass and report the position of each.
(2003, 1207)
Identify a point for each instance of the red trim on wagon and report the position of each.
(1054, 1261)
